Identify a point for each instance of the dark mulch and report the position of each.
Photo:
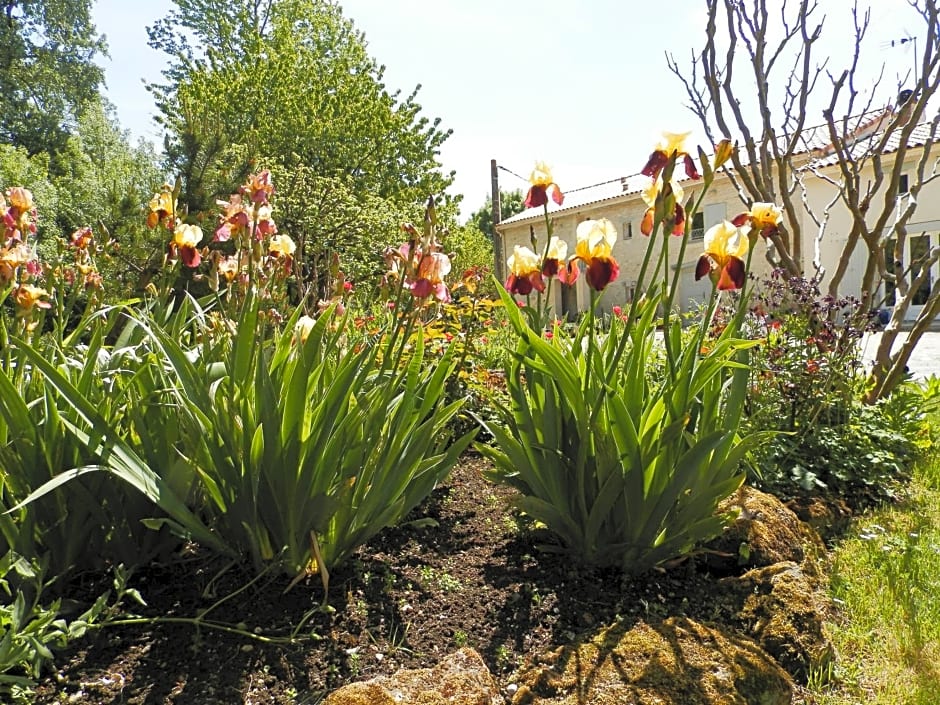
(463, 572)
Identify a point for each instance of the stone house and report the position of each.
(621, 202)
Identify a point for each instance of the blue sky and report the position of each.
(583, 86)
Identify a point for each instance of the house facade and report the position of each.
(621, 202)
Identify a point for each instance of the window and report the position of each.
(903, 185)
(627, 230)
(698, 226)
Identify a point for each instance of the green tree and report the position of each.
(510, 203)
(19, 168)
(327, 220)
(47, 70)
(283, 78)
(472, 249)
(105, 182)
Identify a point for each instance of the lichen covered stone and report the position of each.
(460, 679)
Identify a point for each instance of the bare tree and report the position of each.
(755, 80)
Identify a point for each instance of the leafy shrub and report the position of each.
(306, 445)
(806, 382)
(30, 629)
(863, 459)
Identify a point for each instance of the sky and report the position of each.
(582, 86)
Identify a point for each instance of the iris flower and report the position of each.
(670, 144)
(82, 239)
(259, 187)
(185, 239)
(302, 328)
(723, 259)
(650, 194)
(161, 207)
(429, 277)
(28, 297)
(18, 217)
(525, 272)
(234, 220)
(264, 224)
(228, 268)
(11, 258)
(542, 182)
(594, 248)
(555, 264)
(764, 218)
(282, 246)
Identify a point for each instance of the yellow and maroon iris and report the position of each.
(671, 144)
(555, 263)
(525, 272)
(723, 259)
(161, 208)
(542, 183)
(765, 218)
(185, 239)
(651, 193)
(595, 243)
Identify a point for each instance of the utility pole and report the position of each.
(498, 254)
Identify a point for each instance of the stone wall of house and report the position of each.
(923, 228)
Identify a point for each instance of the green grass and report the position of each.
(886, 580)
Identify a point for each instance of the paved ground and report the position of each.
(926, 358)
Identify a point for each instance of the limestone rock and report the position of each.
(784, 611)
(460, 679)
(673, 662)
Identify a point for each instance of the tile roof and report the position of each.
(814, 141)
(921, 135)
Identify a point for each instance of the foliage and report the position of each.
(99, 180)
(29, 630)
(806, 381)
(329, 220)
(863, 459)
(307, 446)
(472, 252)
(104, 182)
(95, 521)
(47, 71)
(808, 365)
(292, 443)
(626, 469)
(32, 173)
(288, 77)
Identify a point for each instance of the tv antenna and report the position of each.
(903, 42)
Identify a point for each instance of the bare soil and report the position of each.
(463, 571)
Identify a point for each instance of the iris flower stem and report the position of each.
(670, 292)
(543, 313)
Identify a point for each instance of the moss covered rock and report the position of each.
(765, 532)
(674, 662)
(784, 610)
